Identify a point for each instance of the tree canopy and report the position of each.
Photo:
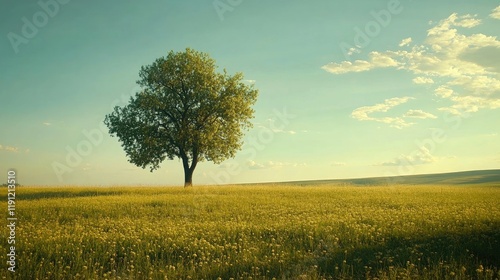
(185, 109)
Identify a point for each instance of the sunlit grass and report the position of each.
(257, 232)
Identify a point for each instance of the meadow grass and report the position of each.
(256, 232)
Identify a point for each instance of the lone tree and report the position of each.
(185, 109)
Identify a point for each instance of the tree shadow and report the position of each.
(437, 255)
(469, 255)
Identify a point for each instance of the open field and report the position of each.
(257, 232)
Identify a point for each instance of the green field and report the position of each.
(256, 232)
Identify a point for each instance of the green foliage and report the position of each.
(186, 109)
(255, 232)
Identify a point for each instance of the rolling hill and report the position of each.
(453, 178)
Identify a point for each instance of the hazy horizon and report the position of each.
(346, 90)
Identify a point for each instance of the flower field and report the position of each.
(256, 232)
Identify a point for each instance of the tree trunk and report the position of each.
(188, 177)
(188, 170)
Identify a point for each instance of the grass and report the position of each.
(256, 232)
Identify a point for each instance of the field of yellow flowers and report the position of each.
(255, 232)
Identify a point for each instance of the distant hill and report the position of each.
(454, 178)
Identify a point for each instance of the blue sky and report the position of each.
(347, 89)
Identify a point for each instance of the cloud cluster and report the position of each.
(464, 64)
(418, 157)
(405, 42)
(376, 60)
(365, 113)
(495, 13)
(423, 80)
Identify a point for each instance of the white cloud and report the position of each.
(443, 91)
(363, 113)
(47, 124)
(338, 164)
(480, 85)
(376, 60)
(471, 104)
(9, 149)
(468, 76)
(419, 114)
(452, 111)
(250, 81)
(405, 42)
(423, 80)
(468, 21)
(495, 13)
(353, 50)
(12, 149)
(253, 165)
(347, 66)
(284, 131)
(272, 164)
(417, 157)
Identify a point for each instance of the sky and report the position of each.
(347, 89)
